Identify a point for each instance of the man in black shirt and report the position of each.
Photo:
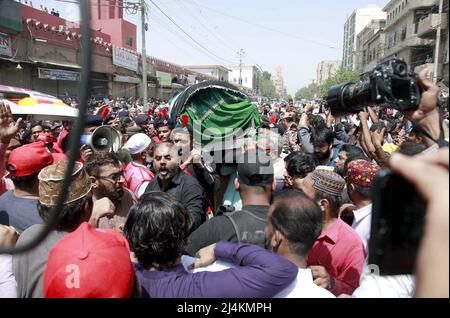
(171, 179)
(255, 183)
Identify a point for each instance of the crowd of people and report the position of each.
(290, 219)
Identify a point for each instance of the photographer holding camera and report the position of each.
(423, 246)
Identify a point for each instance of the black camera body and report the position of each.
(390, 84)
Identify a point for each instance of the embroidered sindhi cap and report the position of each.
(51, 179)
(327, 182)
(362, 172)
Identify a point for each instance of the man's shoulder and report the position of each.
(219, 221)
(348, 236)
(30, 232)
(7, 196)
(190, 182)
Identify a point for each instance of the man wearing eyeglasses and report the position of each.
(106, 174)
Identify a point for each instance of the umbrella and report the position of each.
(37, 105)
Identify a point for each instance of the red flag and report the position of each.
(105, 112)
(273, 119)
(164, 111)
(185, 120)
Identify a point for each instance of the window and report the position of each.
(129, 41)
(403, 34)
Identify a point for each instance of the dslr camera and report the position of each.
(390, 84)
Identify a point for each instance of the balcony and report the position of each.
(430, 68)
(411, 41)
(427, 27)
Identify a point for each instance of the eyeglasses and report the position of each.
(115, 177)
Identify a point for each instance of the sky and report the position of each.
(293, 34)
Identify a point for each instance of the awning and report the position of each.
(68, 65)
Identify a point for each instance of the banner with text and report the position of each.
(5, 44)
(125, 59)
(58, 75)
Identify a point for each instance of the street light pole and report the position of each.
(241, 53)
(144, 58)
(438, 42)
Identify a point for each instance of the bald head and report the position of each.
(166, 160)
(298, 218)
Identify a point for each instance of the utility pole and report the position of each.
(241, 54)
(144, 58)
(438, 42)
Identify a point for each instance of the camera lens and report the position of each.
(349, 98)
(400, 70)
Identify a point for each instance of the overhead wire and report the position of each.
(188, 35)
(220, 41)
(267, 28)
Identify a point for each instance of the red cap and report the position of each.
(29, 159)
(89, 263)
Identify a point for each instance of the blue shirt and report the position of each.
(18, 212)
(335, 154)
(259, 274)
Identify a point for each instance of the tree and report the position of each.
(342, 75)
(308, 92)
(267, 88)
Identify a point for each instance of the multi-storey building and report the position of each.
(325, 70)
(359, 19)
(371, 46)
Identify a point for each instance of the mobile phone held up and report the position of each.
(397, 224)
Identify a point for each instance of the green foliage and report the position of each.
(307, 92)
(343, 75)
(266, 86)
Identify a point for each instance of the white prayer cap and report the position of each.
(138, 143)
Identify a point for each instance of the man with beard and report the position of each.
(137, 175)
(337, 257)
(294, 222)
(322, 141)
(193, 164)
(104, 170)
(298, 165)
(171, 179)
(346, 154)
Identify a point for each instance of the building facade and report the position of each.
(250, 75)
(371, 46)
(402, 40)
(357, 21)
(325, 70)
(278, 81)
(427, 30)
(43, 52)
(218, 72)
(107, 16)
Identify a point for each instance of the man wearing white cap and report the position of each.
(137, 175)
